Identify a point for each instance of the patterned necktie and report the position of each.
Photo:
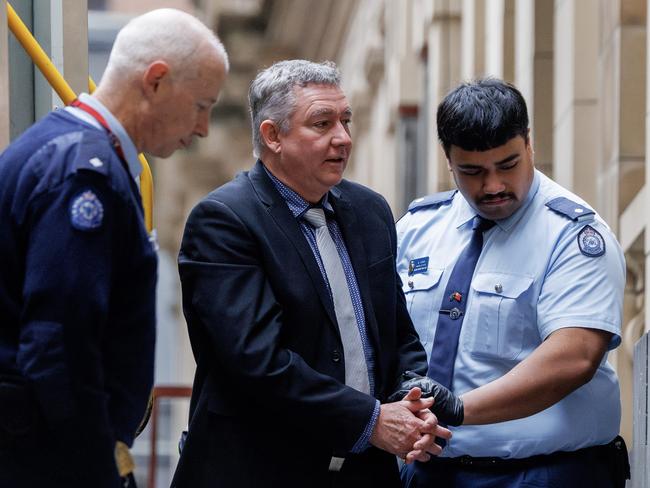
(356, 369)
(452, 308)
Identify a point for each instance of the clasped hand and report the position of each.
(408, 429)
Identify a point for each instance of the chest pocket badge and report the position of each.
(500, 309)
(423, 296)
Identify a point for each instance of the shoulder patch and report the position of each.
(590, 242)
(435, 200)
(569, 208)
(86, 211)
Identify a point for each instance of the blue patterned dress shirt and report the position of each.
(298, 206)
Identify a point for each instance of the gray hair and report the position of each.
(271, 95)
(166, 34)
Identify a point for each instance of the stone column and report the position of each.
(443, 65)
(473, 39)
(622, 95)
(576, 97)
(534, 73)
(525, 50)
(499, 38)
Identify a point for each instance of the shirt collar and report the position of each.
(466, 213)
(130, 152)
(297, 205)
(508, 223)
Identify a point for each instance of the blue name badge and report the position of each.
(419, 265)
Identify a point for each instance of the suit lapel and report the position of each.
(348, 224)
(284, 219)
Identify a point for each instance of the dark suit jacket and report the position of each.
(269, 405)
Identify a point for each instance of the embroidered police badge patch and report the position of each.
(86, 211)
(590, 242)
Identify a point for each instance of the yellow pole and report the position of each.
(54, 78)
(146, 192)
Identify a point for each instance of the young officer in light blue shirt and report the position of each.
(517, 326)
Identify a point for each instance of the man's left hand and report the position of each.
(426, 445)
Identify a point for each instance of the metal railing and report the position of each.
(159, 393)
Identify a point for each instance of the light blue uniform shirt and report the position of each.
(128, 148)
(532, 279)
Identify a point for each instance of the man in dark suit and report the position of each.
(295, 311)
(77, 265)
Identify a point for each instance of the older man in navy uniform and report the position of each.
(515, 286)
(77, 267)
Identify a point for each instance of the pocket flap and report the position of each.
(502, 284)
(421, 281)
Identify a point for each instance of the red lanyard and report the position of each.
(102, 121)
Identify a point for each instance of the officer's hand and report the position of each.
(447, 406)
(426, 446)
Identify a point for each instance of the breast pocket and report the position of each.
(503, 314)
(422, 299)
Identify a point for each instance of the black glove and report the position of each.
(447, 406)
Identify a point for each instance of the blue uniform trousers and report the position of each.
(593, 467)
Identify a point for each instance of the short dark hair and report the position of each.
(481, 115)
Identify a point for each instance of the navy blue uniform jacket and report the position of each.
(77, 314)
(269, 405)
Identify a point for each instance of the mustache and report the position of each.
(498, 196)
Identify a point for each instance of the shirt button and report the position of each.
(498, 288)
(411, 284)
(336, 355)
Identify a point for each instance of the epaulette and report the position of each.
(435, 200)
(569, 208)
(92, 153)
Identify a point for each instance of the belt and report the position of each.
(470, 462)
(336, 463)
